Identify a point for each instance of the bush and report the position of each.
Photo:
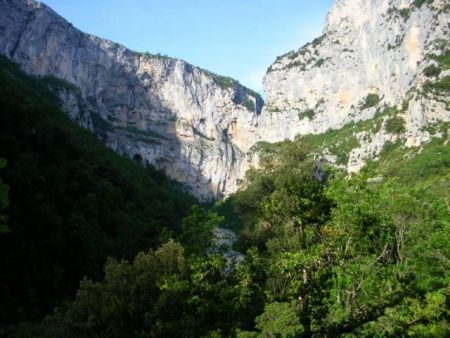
(442, 85)
(318, 41)
(371, 100)
(431, 71)
(419, 3)
(320, 62)
(250, 105)
(309, 113)
(388, 147)
(395, 125)
(404, 13)
(443, 60)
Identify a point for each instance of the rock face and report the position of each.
(200, 127)
(191, 123)
(372, 54)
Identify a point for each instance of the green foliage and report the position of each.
(4, 201)
(405, 105)
(326, 254)
(432, 71)
(197, 229)
(122, 304)
(274, 109)
(157, 56)
(161, 294)
(388, 146)
(320, 62)
(280, 320)
(349, 256)
(370, 101)
(338, 142)
(249, 104)
(296, 64)
(225, 82)
(395, 125)
(443, 59)
(365, 269)
(309, 114)
(225, 209)
(420, 3)
(318, 41)
(442, 85)
(404, 13)
(101, 126)
(284, 190)
(426, 317)
(73, 202)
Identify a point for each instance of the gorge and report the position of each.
(201, 128)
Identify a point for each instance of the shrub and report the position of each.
(443, 60)
(320, 62)
(432, 70)
(419, 3)
(395, 125)
(405, 105)
(388, 146)
(226, 82)
(404, 13)
(371, 100)
(250, 105)
(442, 85)
(318, 41)
(309, 113)
(274, 110)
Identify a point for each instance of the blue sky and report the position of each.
(237, 38)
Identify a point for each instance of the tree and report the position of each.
(123, 304)
(197, 229)
(286, 189)
(4, 201)
(280, 320)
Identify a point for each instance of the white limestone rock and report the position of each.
(195, 125)
(200, 128)
(367, 47)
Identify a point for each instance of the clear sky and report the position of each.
(237, 38)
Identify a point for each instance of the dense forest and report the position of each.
(72, 202)
(325, 254)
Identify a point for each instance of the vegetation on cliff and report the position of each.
(325, 254)
(72, 202)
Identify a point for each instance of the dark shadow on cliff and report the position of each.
(72, 202)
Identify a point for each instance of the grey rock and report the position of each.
(368, 47)
(187, 121)
(200, 128)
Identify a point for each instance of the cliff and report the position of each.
(385, 61)
(374, 56)
(184, 120)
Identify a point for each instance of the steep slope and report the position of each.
(163, 111)
(373, 54)
(385, 62)
(73, 202)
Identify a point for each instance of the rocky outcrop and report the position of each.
(191, 123)
(372, 55)
(387, 58)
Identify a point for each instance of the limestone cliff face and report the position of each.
(180, 118)
(200, 127)
(372, 54)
